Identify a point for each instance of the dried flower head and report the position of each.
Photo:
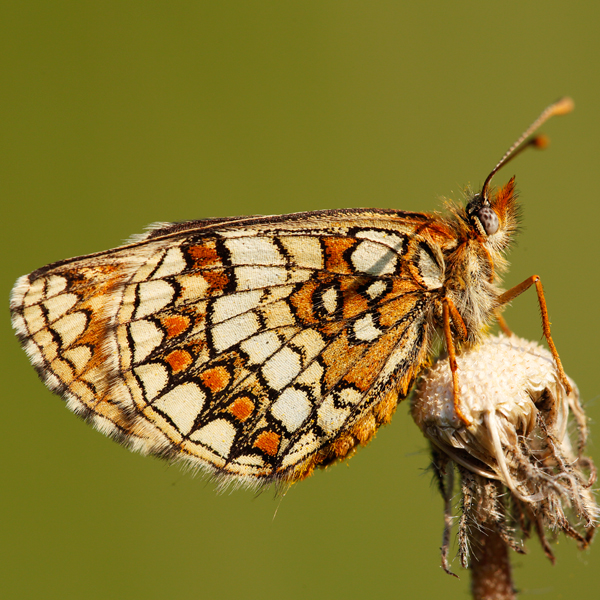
(517, 441)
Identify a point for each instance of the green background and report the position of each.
(118, 114)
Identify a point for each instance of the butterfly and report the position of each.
(258, 348)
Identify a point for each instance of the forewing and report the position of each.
(253, 347)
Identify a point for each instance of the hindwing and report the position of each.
(256, 347)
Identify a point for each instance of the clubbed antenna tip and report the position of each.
(560, 107)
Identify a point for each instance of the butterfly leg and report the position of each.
(451, 315)
(511, 294)
(502, 322)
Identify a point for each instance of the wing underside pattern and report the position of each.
(255, 350)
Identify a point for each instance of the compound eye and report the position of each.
(488, 219)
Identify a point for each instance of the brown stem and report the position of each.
(490, 567)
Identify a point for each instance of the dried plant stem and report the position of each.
(519, 471)
(491, 577)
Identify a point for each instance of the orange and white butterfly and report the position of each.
(258, 348)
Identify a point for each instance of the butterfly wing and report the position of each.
(256, 348)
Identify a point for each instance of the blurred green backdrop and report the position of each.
(118, 114)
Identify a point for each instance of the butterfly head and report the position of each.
(492, 218)
(482, 216)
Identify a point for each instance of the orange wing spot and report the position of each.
(354, 304)
(395, 310)
(204, 256)
(268, 442)
(400, 287)
(175, 325)
(337, 356)
(325, 277)
(366, 369)
(334, 253)
(303, 302)
(241, 408)
(215, 379)
(217, 281)
(179, 360)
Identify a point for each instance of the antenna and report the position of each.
(560, 107)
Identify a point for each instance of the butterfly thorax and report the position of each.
(477, 259)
